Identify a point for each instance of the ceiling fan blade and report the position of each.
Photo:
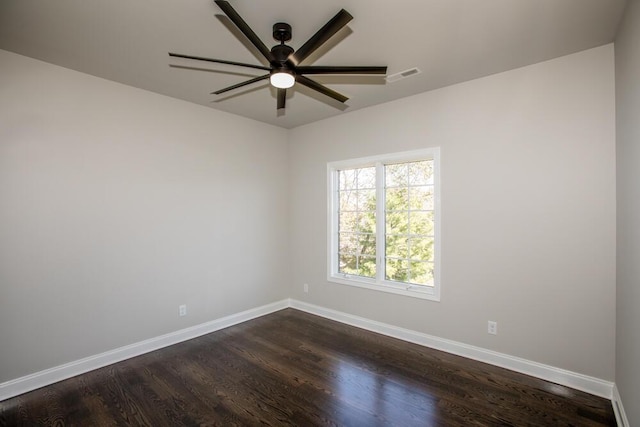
(245, 83)
(282, 98)
(340, 70)
(244, 27)
(325, 33)
(311, 84)
(219, 61)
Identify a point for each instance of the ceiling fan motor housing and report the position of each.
(281, 53)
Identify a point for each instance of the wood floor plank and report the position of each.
(293, 368)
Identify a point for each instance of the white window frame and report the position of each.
(379, 283)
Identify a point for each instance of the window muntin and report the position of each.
(384, 223)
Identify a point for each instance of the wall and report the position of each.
(117, 205)
(528, 206)
(628, 201)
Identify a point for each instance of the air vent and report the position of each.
(403, 75)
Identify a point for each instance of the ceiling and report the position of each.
(450, 41)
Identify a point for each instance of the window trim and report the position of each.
(417, 291)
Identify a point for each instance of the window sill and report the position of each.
(398, 289)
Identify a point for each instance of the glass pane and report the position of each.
(347, 179)
(421, 173)
(367, 244)
(397, 270)
(421, 249)
(397, 199)
(421, 273)
(367, 266)
(347, 264)
(347, 243)
(367, 177)
(397, 222)
(366, 200)
(367, 222)
(421, 198)
(421, 222)
(395, 175)
(348, 221)
(396, 246)
(348, 200)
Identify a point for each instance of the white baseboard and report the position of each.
(618, 409)
(575, 380)
(560, 376)
(49, 376)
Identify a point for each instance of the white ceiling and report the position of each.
(450, 41)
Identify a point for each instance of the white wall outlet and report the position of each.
(182, 310)
(306, 287)
(492, 327)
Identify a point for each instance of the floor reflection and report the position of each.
(390, 397)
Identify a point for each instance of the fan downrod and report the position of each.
(281, 52)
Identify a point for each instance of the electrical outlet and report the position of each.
(492, 327)
(182, 310)
(306, 287)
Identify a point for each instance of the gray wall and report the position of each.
(528, 207)
(117, 205)
(628, 202)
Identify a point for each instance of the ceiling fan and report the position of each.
(284, 69)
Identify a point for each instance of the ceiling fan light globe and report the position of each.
(282, 80)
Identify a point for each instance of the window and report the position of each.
(384, 217)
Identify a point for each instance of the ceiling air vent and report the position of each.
(403, 75)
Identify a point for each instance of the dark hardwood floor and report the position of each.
(293, 368)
